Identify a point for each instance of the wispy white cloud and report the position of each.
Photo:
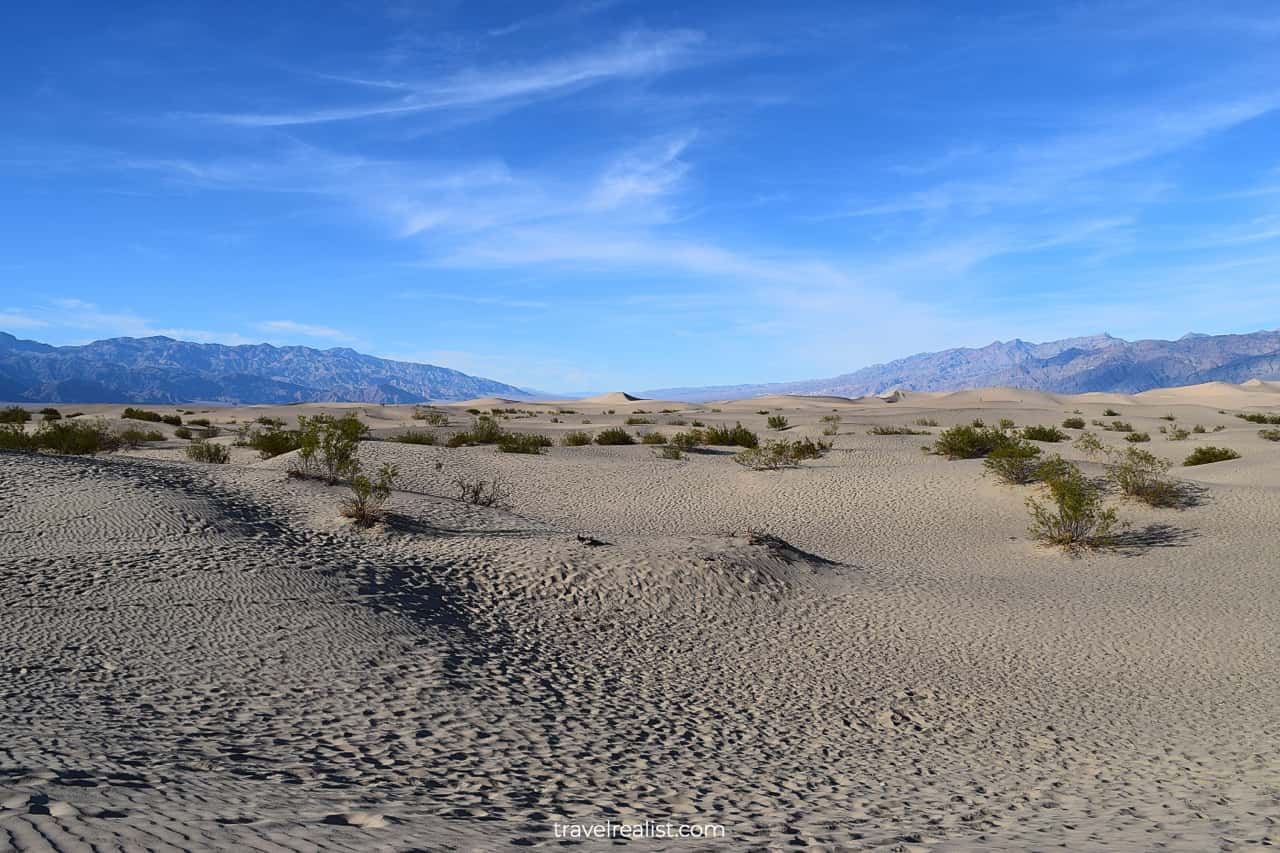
(14, 318)
(292, 327)
(77, 314)
(636, 54)
(642, 175)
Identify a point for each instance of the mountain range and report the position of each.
(164, 370)
(1070, 366)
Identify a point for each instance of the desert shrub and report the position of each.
(368, 496)
(638, 421)
(698, 424)
(270, 422)
(773, 455)
(735, 436)
(1139, 474)
(889, 429)
(484, 430)
(80, 438)
(830, 424)
(327, 446)
(211, 431)
(1169, 417)
(1207, 455)
(1017, 463)
(1088, 443)
(1073, 423)
(670, 452)
(1118, 426)
(1110, 413)
(686, 440)
(653, 438)
(1270, 434)
(1006, 423)
(172, 420)
(473, 412)
(207, 451)
(14, 437)
(1075, 517)
(1044, 433)
(1137, 437)
(614, 435)
(978, 423)
(1177, 433)
(929, 422)
(1259, 418)
(575, 411)
(478, 492)
(182, 432)
(415, 436)
(50, 414)
(133, 414)
(575, 439)
(778, 422)
(431, 416)
(1199, 429)
(14, 415)
(762, 411)
(269, 442)
(133, 437)
(522, 442)
(676, 422)
(969, 442)
(201, 422)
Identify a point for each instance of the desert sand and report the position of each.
(864, 652)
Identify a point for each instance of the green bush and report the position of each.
(780, 454)
(269, 442)
(575, 439)
(1110, 413)
(1259, 418)
(928, 422)
(1207, 455)
(493, 492)
(830, 424)
(522, 442)
(14, 437)
(1137, 437)
(431, 416)
(1199, 429)
(670, 451)
(484, 430)
(182, 432)
(1044, 433)
(1270, 434)
(1118, 426)
(203, 422)
(970, 442)
(415, 436)
(1073, 423)
(50, 414)
(79, 438)
(171, 420)
(133, 414)
(327, 446)
(614, 435)
(1169, 417)
(686, 440)
(735, 436)
(133, 437)
(1006, 423)
(1088, 443)
(14, 415)
(1139, 474)
(207, 451)
(1017, 463)
(368, 496)
(653, 438)
(638, 421)
(889, 429)
(1075, 517)
(778, 422)
(1176, 433)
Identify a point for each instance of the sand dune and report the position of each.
(865, 652)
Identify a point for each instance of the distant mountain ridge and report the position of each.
(164, 370)
(1069, 366)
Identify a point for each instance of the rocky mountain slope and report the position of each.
(1070, 366)
(164, 370)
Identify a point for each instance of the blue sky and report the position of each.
(602, 195)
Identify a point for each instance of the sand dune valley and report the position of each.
(861, 651)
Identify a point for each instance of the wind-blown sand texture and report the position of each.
(866, 652)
